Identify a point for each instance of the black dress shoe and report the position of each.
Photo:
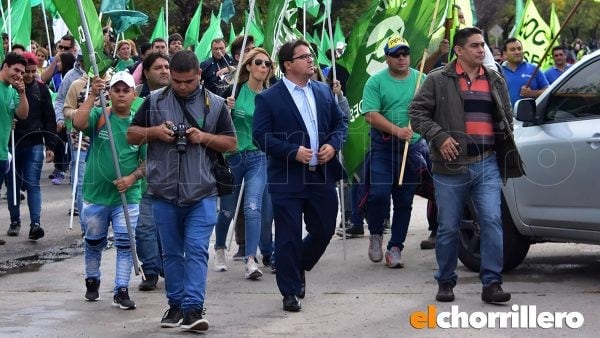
(302, 285)
(291, 303)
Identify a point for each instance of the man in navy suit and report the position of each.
(300, 127)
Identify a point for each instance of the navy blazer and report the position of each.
(278, 130)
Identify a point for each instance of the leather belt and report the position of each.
(480, 157)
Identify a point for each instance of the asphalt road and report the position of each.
(350, 297)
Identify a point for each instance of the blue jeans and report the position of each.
(29, 162)
(483, 185)
(252, 167)
(97, 219)
(147, 240)
(185, 234)
(384, 171)
(266, 227)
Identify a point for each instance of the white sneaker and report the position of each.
(252, 270)
(220, 260)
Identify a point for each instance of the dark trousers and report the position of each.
(318, 203)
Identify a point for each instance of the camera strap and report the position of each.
(189, 116)
(212, 154)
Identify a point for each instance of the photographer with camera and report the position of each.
(181, 181)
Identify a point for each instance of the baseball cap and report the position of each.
(122, 77)
(394, 44)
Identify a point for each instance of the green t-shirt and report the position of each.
(242, 114)
(9, 101)
(122, 64)
(98, 186)
(391, 97)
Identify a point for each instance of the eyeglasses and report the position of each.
(259, 62)
(397, 54)
(63, 47)
(305, 57)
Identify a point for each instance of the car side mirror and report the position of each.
(525, 110)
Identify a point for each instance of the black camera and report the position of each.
(180, 136)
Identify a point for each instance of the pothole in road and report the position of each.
(34, 262)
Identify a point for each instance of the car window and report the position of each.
(578, 97)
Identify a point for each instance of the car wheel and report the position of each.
(516, 245)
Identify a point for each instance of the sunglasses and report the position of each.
(64, 47)
(259, 62)
(397, 54)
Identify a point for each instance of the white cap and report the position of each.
(124, 77)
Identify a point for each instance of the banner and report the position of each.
(533, 32)
(365, 57)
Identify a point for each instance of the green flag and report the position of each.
(533, 32)
(554, 29)
(228, 10)
(123, 19)
(134, 31)
(518, 11)
(113, 5)
(365, 57)
(193, 30)
(255, 30)
(20, 22)
(67, 9)
(232, 36)
(312, 6)
(51, 8)
(338, 35)
(281, 20)
(325, 44)
(160, 30)
(213, 32)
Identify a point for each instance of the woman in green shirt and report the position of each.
(124, 55)
(248, 163)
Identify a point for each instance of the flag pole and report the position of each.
(246, 29)
(77, 158)
(235, 216)
(92, 56)
(278, 30)
(167, 19)
(550, 46)
(334, 77)
(12, 132)
(46, 24)
(419, 76)
(304, 20)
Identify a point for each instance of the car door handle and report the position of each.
(594, 139)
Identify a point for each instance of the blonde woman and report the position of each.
(124, 55)
(248, 163)
(42, 57)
